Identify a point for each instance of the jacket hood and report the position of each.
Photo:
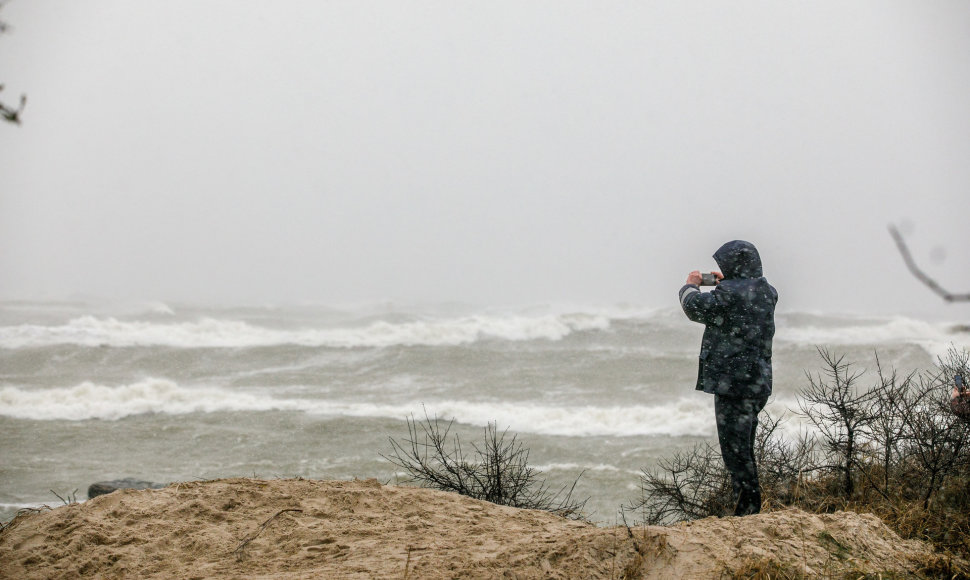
(739, 259)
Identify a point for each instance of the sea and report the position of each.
(159, 392)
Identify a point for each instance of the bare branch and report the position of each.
(3, 25)
(920, 275)
(9, 113)
(238, 550)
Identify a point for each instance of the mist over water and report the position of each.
(240, 152)
(172, 392)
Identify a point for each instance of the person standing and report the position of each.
(735, 358)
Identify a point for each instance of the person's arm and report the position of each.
(703, 307)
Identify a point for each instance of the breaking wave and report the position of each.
(209, 332)
(934, 338)
(92, 401)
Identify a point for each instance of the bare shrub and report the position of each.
(894, 449)
(892, 396)
(840, 412)
(782, 462)
(936, 440)
(692, 484)
(496, 471)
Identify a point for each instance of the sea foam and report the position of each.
(689, 416)
(93, 401)
(934, 338)
(214, 333)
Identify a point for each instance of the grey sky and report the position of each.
(500, 152)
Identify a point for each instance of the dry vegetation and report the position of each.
(496, 470)
(892, 448)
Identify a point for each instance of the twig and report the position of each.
(407, 563)
(20, 515)
(71, 497)
(261, 528)
(920, 275)
(636, 546)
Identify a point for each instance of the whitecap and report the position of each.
(688, 416)
(215, 333)
(93, 401)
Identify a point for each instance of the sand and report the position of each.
(296, 528)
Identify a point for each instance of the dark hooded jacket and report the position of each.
(739, 316)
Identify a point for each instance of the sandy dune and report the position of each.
(294, 528)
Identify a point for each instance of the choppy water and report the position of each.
(173, 393)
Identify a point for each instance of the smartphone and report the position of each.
(708, 279)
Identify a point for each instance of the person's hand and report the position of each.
(695, 277)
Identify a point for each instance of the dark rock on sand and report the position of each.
(103, 487)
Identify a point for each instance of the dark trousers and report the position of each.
(737, 422)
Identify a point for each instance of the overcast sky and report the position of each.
(485, 152)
